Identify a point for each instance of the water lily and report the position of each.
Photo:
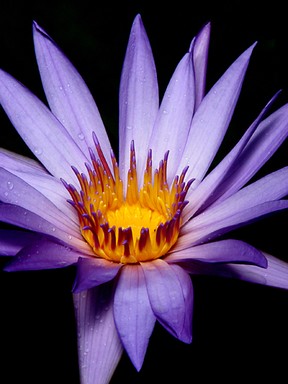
(139, 226)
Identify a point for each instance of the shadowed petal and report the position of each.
(138, 98)
(43, 254)
(199, 49)
(99, 347)
(133, 315)
(12, 241)
(275, 275)
(175, 114)
(41, 131)
(94, 271)
(212, 118)
(67, 94)
(224, 251)
(170, 296)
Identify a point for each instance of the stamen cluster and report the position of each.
(139, 226)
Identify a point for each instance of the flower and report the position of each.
(136, 228)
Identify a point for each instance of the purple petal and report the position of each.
(67, 94)
(249, 203)
(171, 297)
(275, 275)
(15, 215)
(12, 241)
(41, 131)
(134, 318)
(176, 111)
(266, 140)
(209, 188)
(199, 48)
(94, 271)
(37, 177)
(43, 254)
(212, 118)
(15, 191)
(14, 162)
(99, 347)
(139, 99)
(224, 251)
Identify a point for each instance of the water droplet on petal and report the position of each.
(38, 151)
(81, 136)
(10, 185)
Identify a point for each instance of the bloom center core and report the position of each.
(139, 226)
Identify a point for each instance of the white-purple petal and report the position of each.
(15, 162)
(255, 200)
(170, 297)
(43, 254)
(265, 141)
(94, 271)
(173, 121)
(14, 190)
(134, 318)
(138, 98)
(68, 96)
(15, 215)
(99, 347)
(212, 185)
(212, 118)
(40, 129)
(223, 251)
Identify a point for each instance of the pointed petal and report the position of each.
(138, 98)
(255, 200)
(67, 94)
(134, 318)
(94, 271)
(200, 58)
(37, 177)
(15, 215)
(275, 275)
(43, 254)
(12, 241)
(265, 141)
(13, 161)
(41, 131)
(15, 191)
(174, 118)
(99, 347)
(170, 293)
(212, 118)
(224, 251)
(212, 185)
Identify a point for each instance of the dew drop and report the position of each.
(38, 151)
(81, 135)
(10, 185)
(6, 193)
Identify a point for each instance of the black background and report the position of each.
(240, 329)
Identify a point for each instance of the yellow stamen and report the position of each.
(140, 226)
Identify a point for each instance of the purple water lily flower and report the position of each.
(139, 226)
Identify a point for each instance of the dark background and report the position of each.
(240, 329)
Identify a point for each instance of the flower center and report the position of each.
(139, 226)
